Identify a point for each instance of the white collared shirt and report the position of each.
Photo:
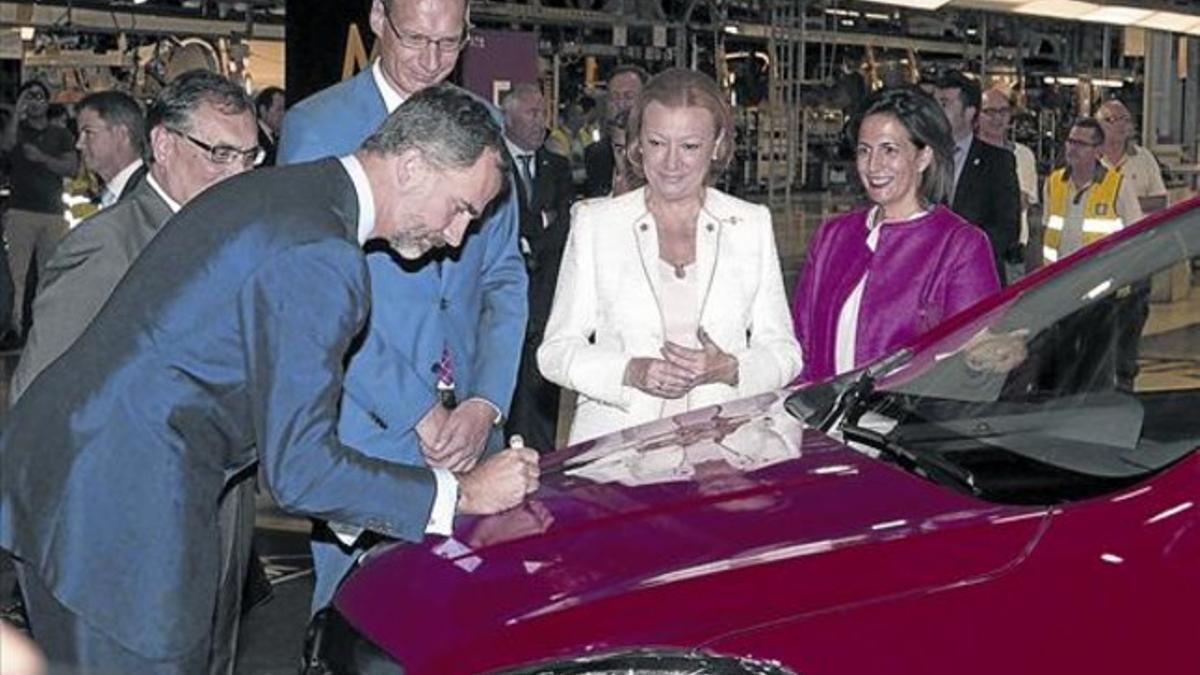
(441, 518)
(391, 98)
(962, 149)
(114, 188)
(1141, 170)
(171, 203)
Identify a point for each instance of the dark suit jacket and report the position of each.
(598, 161)
(222, 346)
(989, 196)
(545, 221)
(137, 178)
(267, 142)
(85, 267)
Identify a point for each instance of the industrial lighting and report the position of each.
(1061, 79)
(1058, 9)
(1116, 14)
(27, 33)
(912, 4)
(732, 29)
(1109, 84)
(139, 2)
(1171, 21)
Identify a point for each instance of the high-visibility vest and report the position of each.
(1100, 217)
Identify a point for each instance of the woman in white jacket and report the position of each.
(670, 297)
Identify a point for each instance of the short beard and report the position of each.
(409, 247)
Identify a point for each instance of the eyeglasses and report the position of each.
(1081, 143)
(418, 42)
(225, 154)
(996, 111)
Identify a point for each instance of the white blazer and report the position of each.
(607, 307)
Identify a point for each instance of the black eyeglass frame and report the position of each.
(225, 154)
(420, 42)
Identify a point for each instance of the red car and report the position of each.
(1015, 493)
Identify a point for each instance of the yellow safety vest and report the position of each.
(1100, 217)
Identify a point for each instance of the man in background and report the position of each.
(986, 191)
(598, 158)
(112, 141)
(544, 194)
(995, 124)
(270, 105)
(1136, 163)
(41, 155)
(1085, 202)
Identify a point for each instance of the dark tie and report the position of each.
(526, 176)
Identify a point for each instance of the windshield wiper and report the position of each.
(911, 458)
(849, 405)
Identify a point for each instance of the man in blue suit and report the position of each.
(470, 306)
(221, 347)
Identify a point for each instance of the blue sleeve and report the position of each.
(383, 400)
(505, 307)
(300, 139)
(294, 383)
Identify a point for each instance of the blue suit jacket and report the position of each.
(476, 302)
(222, 345)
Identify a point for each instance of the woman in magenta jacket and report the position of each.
(877, 277)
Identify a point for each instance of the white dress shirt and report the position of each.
(113, 188)
(171, 203)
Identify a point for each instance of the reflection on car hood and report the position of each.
(742, 502)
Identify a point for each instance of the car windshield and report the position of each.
(1078, 385)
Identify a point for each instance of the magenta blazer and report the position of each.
(922, 271)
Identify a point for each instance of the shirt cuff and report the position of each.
(445, 501)
(499, 418)
(347, 534)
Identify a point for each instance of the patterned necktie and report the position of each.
(445, 378)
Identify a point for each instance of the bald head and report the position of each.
(995, 115)
(1118, 125)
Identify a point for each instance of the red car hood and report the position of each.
(733, 516)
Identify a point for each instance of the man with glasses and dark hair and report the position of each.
(433, 378)
(41, 155)
(1084, 200)
(202, 131)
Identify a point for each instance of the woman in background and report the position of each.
(881, 275)
(670, 296)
